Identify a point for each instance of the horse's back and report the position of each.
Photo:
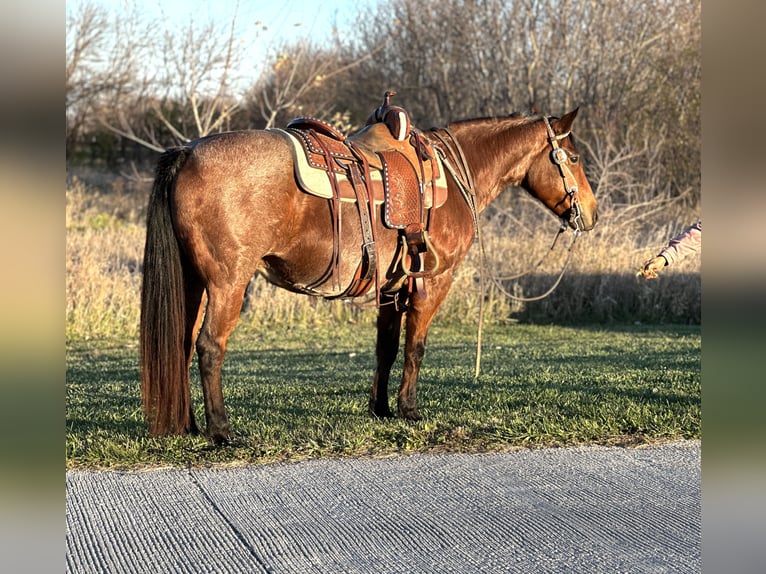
(224, 160)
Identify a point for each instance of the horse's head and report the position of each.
(556, 176)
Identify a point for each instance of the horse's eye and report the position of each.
(574, 158)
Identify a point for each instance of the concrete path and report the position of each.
(574, 510)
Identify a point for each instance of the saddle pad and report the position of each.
(315, 181)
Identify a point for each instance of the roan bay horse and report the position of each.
(227, 206)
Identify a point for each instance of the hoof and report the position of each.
(387, 414)
(219, 438)
(410, 415)
(381, 412)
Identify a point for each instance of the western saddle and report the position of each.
(386, 163)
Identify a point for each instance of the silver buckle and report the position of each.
(559, 156)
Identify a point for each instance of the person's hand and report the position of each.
(652, 266)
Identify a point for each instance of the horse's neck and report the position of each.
(497, 158)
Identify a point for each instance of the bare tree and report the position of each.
(303, 79)
(185, 89)
(89, 73)
(104, 56)
(181, 84)
(85, 31)
(633, 67)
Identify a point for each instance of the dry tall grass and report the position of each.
(104, 245)
(105, 236)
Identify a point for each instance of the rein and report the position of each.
(497, 280)
(561, 159)
(461, 173)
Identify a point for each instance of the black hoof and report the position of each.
(219, 438)
(381, 412)
(410, 415)
(378, 408)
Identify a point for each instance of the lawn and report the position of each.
(299, 392)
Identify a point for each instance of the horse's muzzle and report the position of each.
(580, 219)
(588, 221)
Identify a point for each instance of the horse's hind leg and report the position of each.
(221, 315)
(386, 349)
(194, 308)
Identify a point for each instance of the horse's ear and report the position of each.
(564, 125)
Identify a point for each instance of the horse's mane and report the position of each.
(502, 132)
(496, 122)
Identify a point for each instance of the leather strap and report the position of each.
(333, 270)
(370, 260)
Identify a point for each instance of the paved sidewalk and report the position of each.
(574, 510)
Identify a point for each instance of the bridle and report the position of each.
(560, 157)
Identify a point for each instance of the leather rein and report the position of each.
(560, 157)
(454, 160)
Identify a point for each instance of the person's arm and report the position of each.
(685, 243)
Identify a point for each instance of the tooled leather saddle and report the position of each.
(387, 163)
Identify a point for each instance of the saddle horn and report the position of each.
(396, 118)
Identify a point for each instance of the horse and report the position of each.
(227, 206)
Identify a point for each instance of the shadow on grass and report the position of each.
(102, 391)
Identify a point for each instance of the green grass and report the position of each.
(300, 392)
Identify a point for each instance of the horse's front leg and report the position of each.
(419, 316)
(386, 349)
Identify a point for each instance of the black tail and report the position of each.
(164, 372)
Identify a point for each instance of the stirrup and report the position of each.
(421, 259)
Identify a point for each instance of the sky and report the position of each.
(264, 23)
(261, 26)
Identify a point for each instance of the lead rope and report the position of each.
(482, 289)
